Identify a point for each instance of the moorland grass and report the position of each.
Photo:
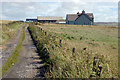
(93, 48)
(8, 30)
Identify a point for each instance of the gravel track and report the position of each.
(10, 46)
(29, 64)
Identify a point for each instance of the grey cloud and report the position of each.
(21, 10)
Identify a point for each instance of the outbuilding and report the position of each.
(48, 19)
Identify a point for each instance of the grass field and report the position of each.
(8, 28)
(95, 46)
(5, 21)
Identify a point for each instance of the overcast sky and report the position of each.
(103, 10)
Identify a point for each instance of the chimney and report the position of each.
(78, 13)
(83, 12)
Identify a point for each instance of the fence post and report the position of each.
(73, 52)
(45, 33)
(60, 43)
(84, 48)
(100, 67)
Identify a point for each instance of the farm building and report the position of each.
(31, 20)
(48, 19)
(61, 21)
(80, 18)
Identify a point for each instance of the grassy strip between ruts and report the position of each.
(13, 58)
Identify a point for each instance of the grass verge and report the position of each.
(8, 30)
(62, 62)
(13, 58)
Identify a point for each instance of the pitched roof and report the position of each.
(49, 18)
(73, 17)
(90, 16)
